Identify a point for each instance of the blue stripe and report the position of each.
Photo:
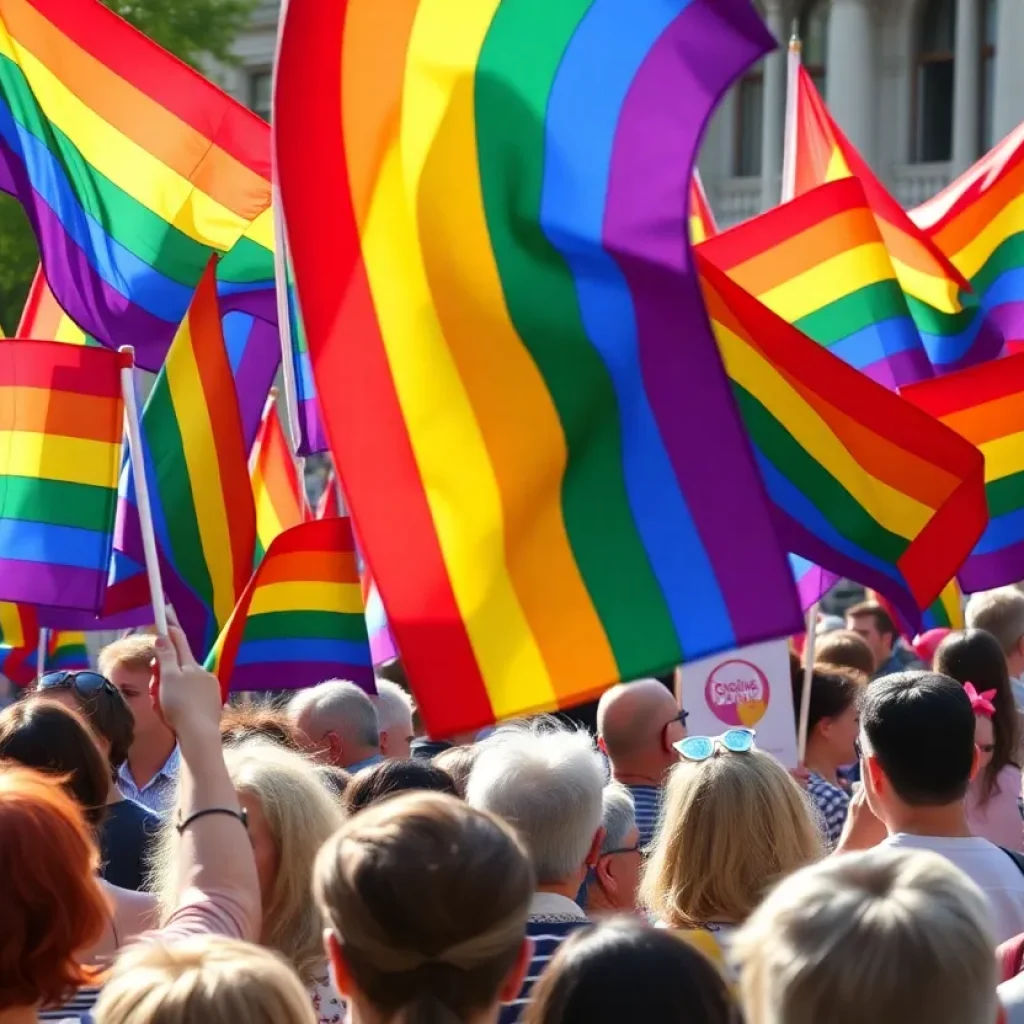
(617, 37)
(343, 652)
(54, 545)
(237, 331)
(1001, 532)
(876, 341)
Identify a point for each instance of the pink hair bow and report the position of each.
(981, 703)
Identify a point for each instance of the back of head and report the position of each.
(733, 825)
(919, 727)
(108, 715)
(336, 706)
(999, 612)
(547, 783)
(428, 900)
(458, 763)
(394, 706)
(380, 781)
(618, 816)
(845, 649)
(630, 715)
(833, 690)
(887, 936)
(53, 907)
(241, 722)
(134, 653)
(622, 971)
(207, 980)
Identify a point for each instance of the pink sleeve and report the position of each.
(209, 913)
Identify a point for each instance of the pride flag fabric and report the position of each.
(985, 405)
(61, 422)
(819, 262)
(66, 651)
(300, 620)
(812, 582)
(701, 218)
(43, 317)
(492, 263)
(19, 634)
(277, 492)
(864, 485)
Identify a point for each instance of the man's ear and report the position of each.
(334, 747)
(594, 853)
(604, 875)
(602, 746)
(383, 744)
(975, 762)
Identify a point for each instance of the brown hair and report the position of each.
(380, 781)
(250, 721)
(845, 649)
(438, 946)
(872, 609)
(458, 763)
(108, 715)
(53, 906)
(135, 653)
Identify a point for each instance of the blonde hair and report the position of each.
(204, 980)
(134, 653)
(733, 826)
(301, 814)
(887, 936)
(440, 942)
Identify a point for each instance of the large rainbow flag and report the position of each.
(278, 494)
(864, 485)
(300, 620)
(985, 405)
(534, 508)
(819, 263)
(61, 422)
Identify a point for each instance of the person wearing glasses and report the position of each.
(615, 878)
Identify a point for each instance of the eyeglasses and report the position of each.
(680, 718)
(701, 748)
(85, 684)
(638, 848)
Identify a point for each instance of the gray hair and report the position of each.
(393, 704)
(334, 705)
(999, 612)
(548, 784)
(618, 816)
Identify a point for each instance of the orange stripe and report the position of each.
(314, 566)
(982, 209)
(998, 418)
(42, 411)
(42, 314)
(277, 469)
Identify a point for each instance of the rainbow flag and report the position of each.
(701, 218)
(44, 319)
(812, 582)
(66, 651)
(203, 511)
(864, 485)
(382, 642)
(19, 637)
(61, 421)
(939, 297)
(300, 620)
(985, 405)
(525, 569)
(819, 263)
(279, 497)
(947, 612)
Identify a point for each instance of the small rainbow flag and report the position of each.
(985, 405)
(819, 263)
(19, 640)
(863, 483)
(300, 620)
(702, 220)
(279, 497)
(947, 612)
(812, 582)
(66, 651)
(534, 509)
(61, 423)
(43, 317)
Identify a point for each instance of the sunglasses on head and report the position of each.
(701, 748)
(85, 684)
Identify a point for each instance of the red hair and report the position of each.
(53, 906)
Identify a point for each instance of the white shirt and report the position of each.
(987, 866)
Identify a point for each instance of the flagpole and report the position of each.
(805, 694)
(284, 321)
(269, 404)
(138, 462)
(789, 141)
(44, 643)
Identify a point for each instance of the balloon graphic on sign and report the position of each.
(737, 693)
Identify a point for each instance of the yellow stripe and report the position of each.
(307, 595)
(268, 523)
(68, 331)
(74, 460)
(892, 509)
(203, 469)
(11, 633)
(261, 230)
(973, 256)
(1004, 456)
(938, 292)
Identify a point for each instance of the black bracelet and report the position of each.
(240, 815)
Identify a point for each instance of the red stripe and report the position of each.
(967, 389)
(362, 414)
(70, 368)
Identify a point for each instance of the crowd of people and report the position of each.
(313, 860)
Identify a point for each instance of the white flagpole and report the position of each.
(267, 406)
(805, 694)
(131, 422)
(44, 643)
(790, 137)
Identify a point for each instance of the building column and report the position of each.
(773, 117)
(851, 72)
(1008, 103)
(967, 85)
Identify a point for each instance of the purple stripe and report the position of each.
(814, 585)
(64, 618)
(311, 428)
(298, 675)
(382, 646)
(992, 335)
(660, 128)
(901, 369)
(255, 375)
(1000, 568)
(1008, 319)
(63, 586)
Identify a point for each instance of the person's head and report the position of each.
(39, 733)
(380, 781)
(53, 907)
(614, 880)
(337, 722)
(290, 815)
(546, 783)
(241, 722)
(917, 744)
(871, 622)
(845, 649)
(637, 723)
(733, 825)
(1001, 613)
(126, 663)
(202, 980)
(426, 901)
(394, 717)
(975, 657)
(622, 970)
(832, 721)
(458, 763)
(887, 936)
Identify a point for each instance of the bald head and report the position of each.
(631, 720)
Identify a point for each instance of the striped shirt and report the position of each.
(160, 792)
(78, 1009)
(553, 919)
(832, 803)
(647, 801)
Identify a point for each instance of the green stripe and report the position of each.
(1009, 255)
(1005, 495)
(247, 262)
(818, 485)
(58, 503)
(929, 320)
(305, 626)
(511, 100)
(873, 304)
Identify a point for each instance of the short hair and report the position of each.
(458, 763)
(241, 722)
(393, 704)
(107, 714)
(885, 936)
(202, 980)
(732, 826)
(618, 815)
(322, 707)
(53, 907)
(845, 649)
(547, 783)
(999, 612)
(135, 653)
(396, 775)
(919, 726)
(833, 691)
(42, 734)
(623, 970)
(882, 619)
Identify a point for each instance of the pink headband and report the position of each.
(981, 703)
